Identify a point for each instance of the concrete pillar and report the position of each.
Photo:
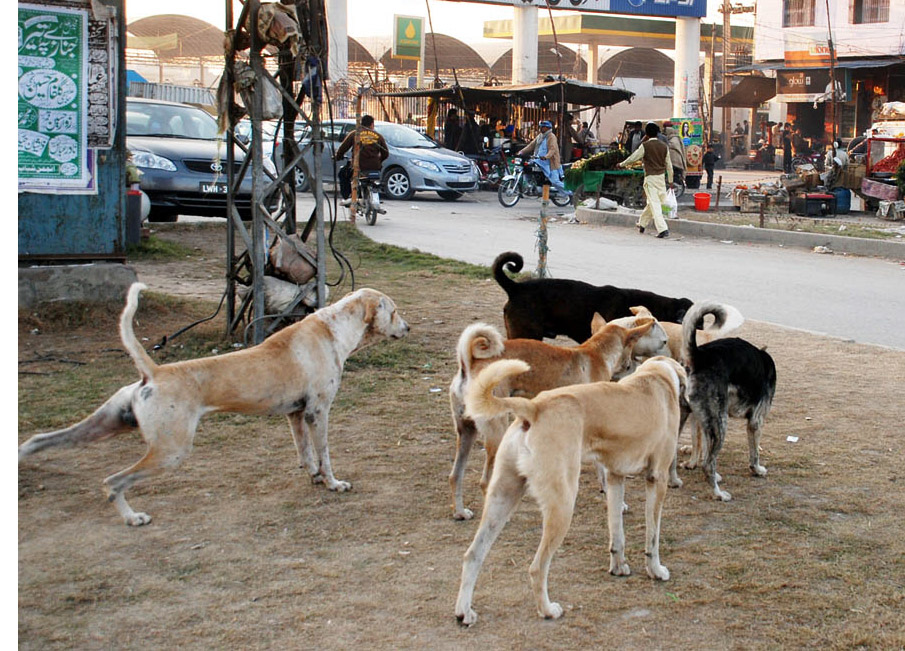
(338, 30)
(687, 80)
(593, 62)
(524, 45)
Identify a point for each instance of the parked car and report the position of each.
(416, 163)
(182, 160)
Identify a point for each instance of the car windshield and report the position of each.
(398, 135)
(169, 121)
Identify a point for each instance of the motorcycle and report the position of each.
(527, 180)
(369, 197)
(814, 158)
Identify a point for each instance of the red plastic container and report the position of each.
(701, 201)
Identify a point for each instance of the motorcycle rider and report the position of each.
(546, 152)
(372, 152)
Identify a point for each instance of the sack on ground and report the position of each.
(288, 263)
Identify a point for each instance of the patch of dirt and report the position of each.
(244, 552)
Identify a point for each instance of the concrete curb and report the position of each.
(837, 243)
(90, 283)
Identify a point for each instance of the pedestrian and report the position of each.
(676, 151)
(654, 155)
(372, 151)
(787, 148)
(545, 149)
(452, 130)
(635, 136)
(710, 159)
(746, 129)
(572, 138)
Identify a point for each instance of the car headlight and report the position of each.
(152, 161)
(427, 165)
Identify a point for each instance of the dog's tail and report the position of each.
(513, 263)
(725, 320)
(481, 401)
(140, 357)
(478, 341)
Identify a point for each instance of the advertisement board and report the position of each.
(812, 85)
(408, 37)
(52, 102)
(668, 8)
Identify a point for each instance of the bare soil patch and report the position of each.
(244, 552)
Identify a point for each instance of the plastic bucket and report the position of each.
(843, 200)
(701, 201)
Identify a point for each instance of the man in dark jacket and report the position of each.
(710, 159)
(372, 151)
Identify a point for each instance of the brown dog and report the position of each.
(295, 372)
(631, 426)
(608, 351)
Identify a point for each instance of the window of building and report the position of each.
(869, 11)
(799, 13)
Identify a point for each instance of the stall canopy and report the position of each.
(750, 93)
(571, 91)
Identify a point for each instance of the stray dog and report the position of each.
(296, 372)
(630, 426)
(726, 321)
(547, 307)
(607, 351)
(727, 377)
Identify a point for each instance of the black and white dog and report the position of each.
(726, 377)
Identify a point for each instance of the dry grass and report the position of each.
(243, 552)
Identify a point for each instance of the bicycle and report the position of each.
(527, 180)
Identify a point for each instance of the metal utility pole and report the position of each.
(273, 197)
(829, 42)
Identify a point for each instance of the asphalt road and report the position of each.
(861, 299)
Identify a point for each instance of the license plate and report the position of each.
(466, 178)
(214, 188)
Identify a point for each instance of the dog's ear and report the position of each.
(642, 327)
(598, 323)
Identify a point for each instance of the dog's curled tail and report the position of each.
(481, 401)
(513, 263)
(726, 319)
(140, 357)
(478, 341)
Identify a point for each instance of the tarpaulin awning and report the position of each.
(750, 93)
(570, 90)
(839, 63)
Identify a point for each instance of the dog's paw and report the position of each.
(657, 571)
(317, 478)
(339, 486)
(689, 465)
(686, 449)
(551, 611)
(619, 569)
(468, 618)
(137, 519)
(464, 514)
(675, 482)
(721, 495)
(759, 471)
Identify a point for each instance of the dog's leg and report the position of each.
(317, 424)
(302, 440)
(754, 429)
(615, 496)
(466, 431)
(713, 427)
(113, 417)
(601, 478)
(165, 450)
(674, 480)
(557, 515)
(493, 431)
(653, 508)
(503, 495)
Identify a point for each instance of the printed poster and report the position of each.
(52, 110)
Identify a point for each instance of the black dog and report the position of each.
(547, 307)
(726, 377)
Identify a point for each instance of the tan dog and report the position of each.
(607, 351)
(296, 372)
(630, 426)
(732, 320)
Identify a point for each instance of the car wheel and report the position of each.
(301, 181)
(162, 215)
(397, 184)
(450, 195)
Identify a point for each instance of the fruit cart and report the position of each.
(599, 176)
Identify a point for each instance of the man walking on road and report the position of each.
(654, 155)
